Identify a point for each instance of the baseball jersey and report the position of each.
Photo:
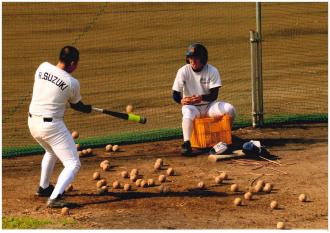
(52, 89)
(191, 83)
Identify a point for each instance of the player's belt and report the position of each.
(46, 119)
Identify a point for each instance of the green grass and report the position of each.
(33, 223)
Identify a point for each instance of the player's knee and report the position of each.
(230, 110)
(189, 112)
(73, 165)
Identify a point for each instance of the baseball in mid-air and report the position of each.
(129, 108)
(274, 205)
(237, 201)
(302, 197)
(75, 134)
(234, 188)
(96, 176)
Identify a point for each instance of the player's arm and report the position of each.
(81, 107)
(177, 96)
(214, 92)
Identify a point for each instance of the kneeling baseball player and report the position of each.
(53, 88)
(196, 88)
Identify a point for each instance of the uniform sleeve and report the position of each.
(215, 79)
(75, 96)
(178, 82)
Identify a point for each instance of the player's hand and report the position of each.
(196, 99)
(185, 100)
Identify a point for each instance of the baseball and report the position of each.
(134, 172)
(274, 205)
(101, 183)
(248, 196)
(78, 146)
(280, 225)
(108, 148)
(261, 182)
(237, 201)
(160, 161)
(127, 187)
(65, 211)
(162, 178)
(115, 148)
(75, 135)
(129, 108)
(302, 197)
(116, 185)
(105, 167)
(138, 182)
(69, 188)
(170, 171)
(103, 190)
(133, 178)
(234, 188)
(151, 182)
(144, 184)
(80, 154)
(267, 188)
(89, 151)
(157, 166)
(258, 188)
(96, 176)
(201, 185)
(124, 174)
(104, 162)
(224, 175)
(218, 179)
(84, 152)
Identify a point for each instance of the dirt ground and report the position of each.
(301, 150)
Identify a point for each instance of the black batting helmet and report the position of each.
(197, 50)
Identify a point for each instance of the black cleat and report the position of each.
(58, 202)
(45, 192)
(186, 149)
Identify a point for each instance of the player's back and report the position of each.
(53, 87)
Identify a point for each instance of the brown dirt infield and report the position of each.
(301, 149)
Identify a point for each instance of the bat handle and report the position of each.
(97, 109)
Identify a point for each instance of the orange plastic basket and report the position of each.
(209, 131)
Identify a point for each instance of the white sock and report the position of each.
(47, 167)
(64, 179)
(187, 127)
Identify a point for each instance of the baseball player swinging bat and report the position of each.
(125, 116)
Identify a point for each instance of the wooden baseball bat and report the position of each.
(125, 116)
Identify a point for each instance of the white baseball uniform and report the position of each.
(53, 88)
(189, 83)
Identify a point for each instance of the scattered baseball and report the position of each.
(248, 196)
(144, 184)
(101, 183)
(65, 211)
(105, 167)
(138, 182)
(108, 148)
(237, 201)
(302, 197)
(103, 190)
(258, 188)
(124, 174)
(201, 185)
(96, 176)
(80, 154)
(151, 182)
(75, 135)
(104, 162)
(133, 178)
(162, 178)
(157, 166)
(134, 172)
(170, 171)
(280, 225)
(84, 152)
(127, 187)
(218, 179)
(129, 108)
(89, 151)
(267, 188)
(69, 188)
(78, 146)
(224, 175)
(160, 161)
(274, 205)
(115, 148)
(261, 182)
(116, 185)
(234, 188)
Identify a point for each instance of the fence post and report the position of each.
(253, 45)
(260, 112)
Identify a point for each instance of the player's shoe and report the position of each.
(186, 148)
(45, 192)
(58, 202)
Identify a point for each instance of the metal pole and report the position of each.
(253, 40)
(259, 64)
